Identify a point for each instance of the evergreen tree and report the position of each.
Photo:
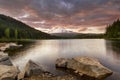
(113, 31)
(16, 34)
(7, 33)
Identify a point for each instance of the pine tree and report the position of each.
(113, 31)
(16, 34)
(7, 33)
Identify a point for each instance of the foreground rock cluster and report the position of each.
(78, 68)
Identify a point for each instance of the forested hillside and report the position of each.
(14, 29)
(113, 31)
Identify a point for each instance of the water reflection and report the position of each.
(113, 51)
(45, 52)
(114, 46)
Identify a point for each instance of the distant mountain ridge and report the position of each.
(65, 35)
(77, 35)
(13, 29)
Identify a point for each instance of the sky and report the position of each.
(84, 16)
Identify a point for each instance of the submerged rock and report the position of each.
(46, 77)
(8, 72)
(85, 66)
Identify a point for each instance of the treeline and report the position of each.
(14, 29)
(113, 30)
(90, 36)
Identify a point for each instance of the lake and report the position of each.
(45, 53)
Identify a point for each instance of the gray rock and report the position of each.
(86, 66)
(8, 72)
(31, 69)
(5, 60)
(61, 63)
(9, 46)
(2, 46)
(12, 47)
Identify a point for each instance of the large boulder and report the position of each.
(8, 72)
(5, 60)
(85, 66)
(31, 69)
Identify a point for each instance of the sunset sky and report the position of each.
(85, 16)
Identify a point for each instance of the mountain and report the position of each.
(60, 30)
(13, 29)
(67, 34)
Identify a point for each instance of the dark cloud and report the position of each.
(63, 12)
(14, 7)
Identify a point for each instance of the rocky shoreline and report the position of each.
(78, 68)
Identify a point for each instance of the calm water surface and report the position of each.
(45, 53)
